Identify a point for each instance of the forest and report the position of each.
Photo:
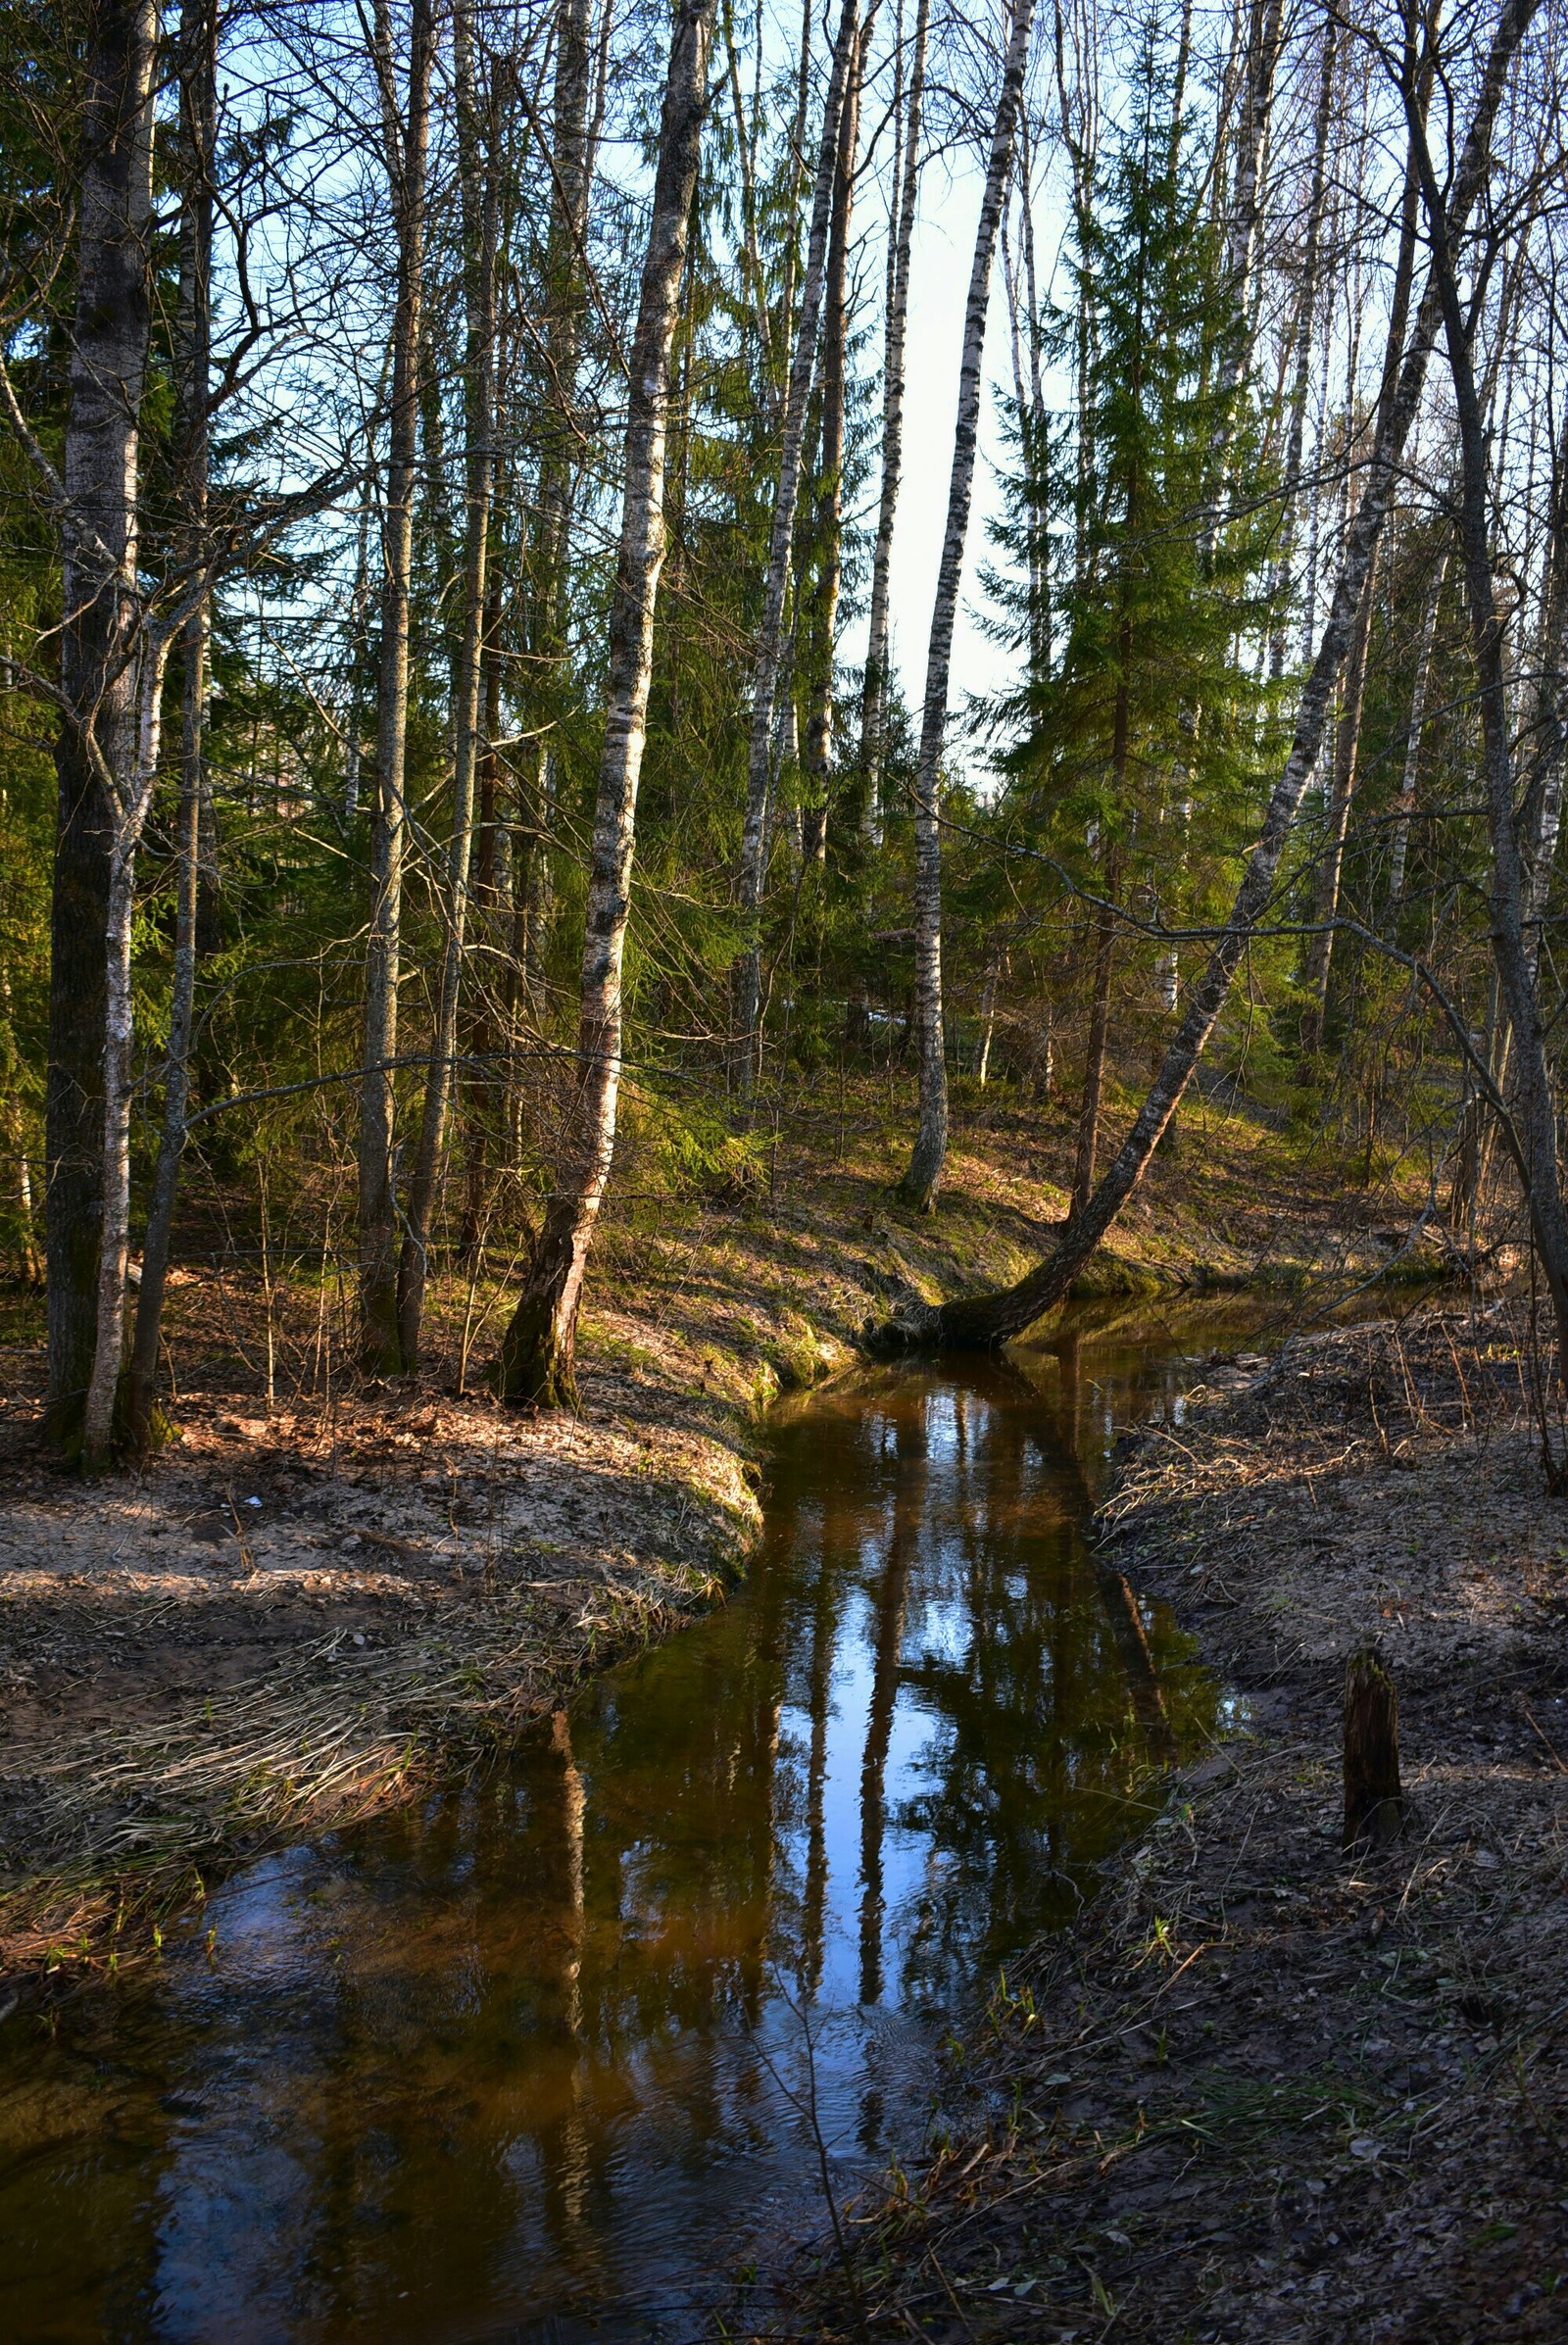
(452, 729)
(779, 802)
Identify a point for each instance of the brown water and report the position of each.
(538, 2059)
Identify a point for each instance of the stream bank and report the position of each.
(1264, 2090)
(326, 1596)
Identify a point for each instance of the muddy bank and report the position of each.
(309, 1607)
(1266, 2090)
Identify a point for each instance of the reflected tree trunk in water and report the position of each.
(909, 1494)
(1143, 1679)
(825, 1626)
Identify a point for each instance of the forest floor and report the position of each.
(326, 1592)
(1266, 2090)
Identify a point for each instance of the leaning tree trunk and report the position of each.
(98, 730)
(198, 125)
(878, 650)
(478, 174)
(1535, 1120)
(381, 1350)
(747, 972)
(991, 1319)
(537, 1352)
(920, 1181)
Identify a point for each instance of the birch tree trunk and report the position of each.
(406, 142)
(197, 98)
(823, 629)
(132, 797)
(874, 706)
(748, 975)
(478, 190)
(108, 366)
(991, 1319)
(924, 1177)
(537, 1354)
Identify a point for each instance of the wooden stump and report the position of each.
(1374, 1805)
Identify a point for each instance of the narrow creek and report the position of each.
(546, 2057)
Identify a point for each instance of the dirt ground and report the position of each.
(1268, 2091)
(308, 1605)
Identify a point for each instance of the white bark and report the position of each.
(924, 1174)
(96, 755)
(133, 796)
(537, 1352)
(878, 652)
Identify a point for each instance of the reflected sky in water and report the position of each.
(533, 2059)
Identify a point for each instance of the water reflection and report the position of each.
(528, 2059)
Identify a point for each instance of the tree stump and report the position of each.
(1374, 1805)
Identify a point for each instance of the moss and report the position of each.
(1106, 1275)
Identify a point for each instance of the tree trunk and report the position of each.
(878, 652)
(748, 975)
(987, 1017)
(480, 1036)
(380, 1349)
(819, 762)
(1082, 1179)
(133, 795)
(98, 730)
(537, 1354)
(198, 127)
(924, 1177)
(564, 280)
(1405, 804)
(1306, 325)
(1347, 743)
(1374, 1806)
(478, 174)
(992, 1319)
(1337, 823)
(1535, 1117)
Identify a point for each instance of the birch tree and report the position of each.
(923, 1175)
(538, 1351)
(992, 1319)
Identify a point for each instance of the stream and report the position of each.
(559, 2054)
